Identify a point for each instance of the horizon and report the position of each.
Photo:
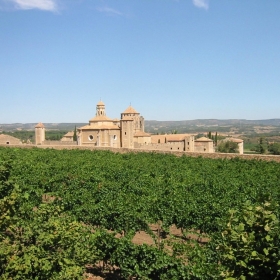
(55, 123)
(171, 60)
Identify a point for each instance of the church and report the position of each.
(105, 132)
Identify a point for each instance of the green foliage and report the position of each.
(71, 195)
(228, 147)
(274, 148)
(216, 139)
(261, 147)
(250, 245)
(47, 245)
(42, 244)
(55, 135)
(75, 134)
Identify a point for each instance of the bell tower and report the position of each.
(100, 109)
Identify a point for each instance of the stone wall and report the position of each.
(125, 150)
(58, 143)
(170, 146)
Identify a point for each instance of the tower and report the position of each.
(100, 109)
(39, 134)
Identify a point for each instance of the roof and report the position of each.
(4, 137)
(98, 127)
(130, 110)
(100, 118)
(69, 134)
(141, 134)
(100, 103)
(39, 125)
(203, 139)
(176, 137)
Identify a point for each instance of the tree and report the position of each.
(260, 148)
(216, 139)
(75, 135)
(274, 148)
(228, 147)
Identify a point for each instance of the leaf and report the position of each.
(26, 195)
(254, 253)
(244, 239)
(242, 263)
(266, 251)
(267, 228)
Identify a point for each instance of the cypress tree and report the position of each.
(75, 134)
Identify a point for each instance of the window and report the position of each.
(115, 137)
(90, 138)
(8, 143)
(125, 133)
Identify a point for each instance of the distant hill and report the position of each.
(48, 126)
(215, 122)
(231, 126)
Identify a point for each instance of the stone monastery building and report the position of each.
(127, 132)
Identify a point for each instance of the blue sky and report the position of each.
(169, 59)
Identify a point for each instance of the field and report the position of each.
(69, 214)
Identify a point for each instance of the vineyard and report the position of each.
(73, 214)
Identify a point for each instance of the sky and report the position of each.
(169, 59)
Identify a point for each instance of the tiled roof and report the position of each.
(176, 137)
(141, 134)
(100, 118)
(203, 139)
(98, 127)
(39, 125)
(130, 110)
(4, 137)
(69, 134)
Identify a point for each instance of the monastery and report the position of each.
(126, 132)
